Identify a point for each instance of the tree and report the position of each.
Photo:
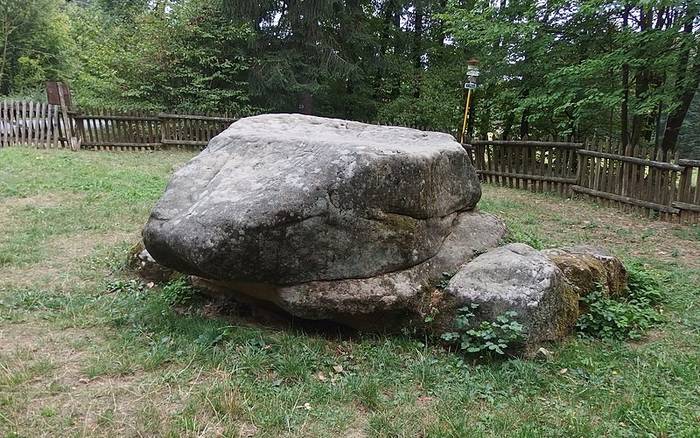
(187, 57)
(33, 36)
(566, 66)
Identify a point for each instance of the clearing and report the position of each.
(85, 352)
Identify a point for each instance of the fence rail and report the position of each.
(101, 129)
(43, 126)
(532, 165)
(635, 179)
(191, 130)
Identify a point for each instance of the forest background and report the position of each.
(626, 70)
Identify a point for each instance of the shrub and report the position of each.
(489, 336)
(623, 318)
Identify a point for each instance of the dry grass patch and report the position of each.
(64, 256)
(45, 387)
(573, 221)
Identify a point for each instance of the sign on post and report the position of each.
(58, 93)
(54, 90)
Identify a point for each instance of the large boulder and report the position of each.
(386, 301)
(516, 278)
(287, 199)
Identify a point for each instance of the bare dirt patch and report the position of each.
(64, 256)
(43, 200)
(54, 394)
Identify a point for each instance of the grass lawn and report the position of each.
(83, 355)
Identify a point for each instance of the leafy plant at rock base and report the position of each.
(212, 336)
(178, 292)
(623, 318)
(489, 336)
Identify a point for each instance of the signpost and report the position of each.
(469, 85)
(58, 93)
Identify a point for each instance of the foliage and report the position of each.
(126, 286)
(34, 38)
(574, 68)
(623, 318)
(178, 292)
(522, 235)
(190, 58)
(498, 336)
(583, 67)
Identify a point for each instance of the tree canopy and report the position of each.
(622, 69)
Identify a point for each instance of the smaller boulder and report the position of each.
(147, 267)
(516, 278)
(587, 268)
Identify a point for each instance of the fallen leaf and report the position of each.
(338, 368)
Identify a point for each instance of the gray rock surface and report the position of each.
(517, 278)
(287, 199)
(381, 301)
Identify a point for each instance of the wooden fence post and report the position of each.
(67, 122)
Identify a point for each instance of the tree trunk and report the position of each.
(508, 125)
(306, 103)
(524, 124)
(6, 42)
(642, 123)
(418, 47)
(624, 108)
(686, 83)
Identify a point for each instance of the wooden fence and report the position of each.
(191, 130)
(633, 180)
(533, 165)
(31, 123)
(43, 126)
(101, 129)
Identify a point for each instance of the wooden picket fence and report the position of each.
(187, 130)
(632, 180)
(31, 123)
(44, 126)
(101, 129)
(104, 129)
(532, 165)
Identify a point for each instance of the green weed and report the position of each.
(489, 337)
(622, 318)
